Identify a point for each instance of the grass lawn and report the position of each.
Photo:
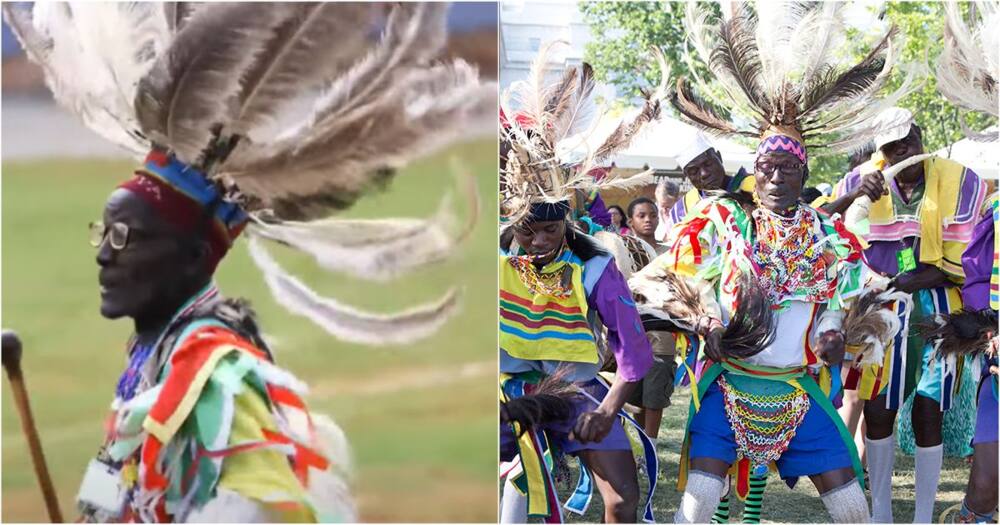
(421, 418)
(781, 504)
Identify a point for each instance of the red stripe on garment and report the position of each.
(284, 396)
(305, 457)
(520, 319)
(539, 307)
(187, 361)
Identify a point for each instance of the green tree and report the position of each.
(623, 33)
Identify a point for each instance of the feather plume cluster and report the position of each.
(780, 67)
(294, 110)
(550, 401)
(968, 69)
(961, 333)
(871, 325)
(547, 121)
(665, 295)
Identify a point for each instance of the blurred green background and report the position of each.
(421, 418)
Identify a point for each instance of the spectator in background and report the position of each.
(618, 222)
(667, 193)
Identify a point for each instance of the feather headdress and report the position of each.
(548, 121)
(782, 75)
(290, 111)
(969, 66)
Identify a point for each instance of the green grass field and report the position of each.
(781, 504)
(421, 418)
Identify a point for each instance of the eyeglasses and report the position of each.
(789, 169)
(117, 234)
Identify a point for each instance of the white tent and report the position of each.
(981, 157)
(657, 144)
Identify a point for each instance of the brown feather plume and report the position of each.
(752, 324)
(871, 324)
(190, 89)
(961, 333)
(550, 401)
(829, 88)
(700, 111)
(737, 54)
(622, 136)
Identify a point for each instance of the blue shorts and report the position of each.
(930, 375)
(986, 413)
(816, 447)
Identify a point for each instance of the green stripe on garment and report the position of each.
(512, 307)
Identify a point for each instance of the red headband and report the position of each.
(180, 211)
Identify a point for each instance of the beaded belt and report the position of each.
(764, 415)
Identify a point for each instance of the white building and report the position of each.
(526, 26)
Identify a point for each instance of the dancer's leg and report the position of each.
(881, 446)
(927, 419)
(842, 496)
(617, 481)
(981, 493)
(751, 509)
(701, 494)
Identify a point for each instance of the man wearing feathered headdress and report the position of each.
(766, 402)
(557, 288)
(204, 425)
(917, 232)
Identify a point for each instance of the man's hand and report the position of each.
(830, 347)
(713, 344)
(872, 186)
(592, 427)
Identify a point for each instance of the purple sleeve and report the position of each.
(977, 262)
(626, 337)
(598, 212)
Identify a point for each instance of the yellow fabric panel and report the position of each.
(263, 475)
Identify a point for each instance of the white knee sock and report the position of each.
(881, 456)
(701, 496)
(847, 503)
(927, 472)
(513, 506)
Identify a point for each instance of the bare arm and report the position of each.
(930, 277)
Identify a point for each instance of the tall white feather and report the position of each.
(348, 323)
(378, 249)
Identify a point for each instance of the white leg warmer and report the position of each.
(881, 456)
(701, 497)
(847, 504)
(927, 471)
(513, 505)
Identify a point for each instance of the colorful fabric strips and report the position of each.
(222, 400)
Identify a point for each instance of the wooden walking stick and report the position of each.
(11, 353)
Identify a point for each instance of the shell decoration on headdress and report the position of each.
(548, 123)
(292, 111)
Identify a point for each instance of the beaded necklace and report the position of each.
(129, 381)
(542, 283)
(787, 257)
